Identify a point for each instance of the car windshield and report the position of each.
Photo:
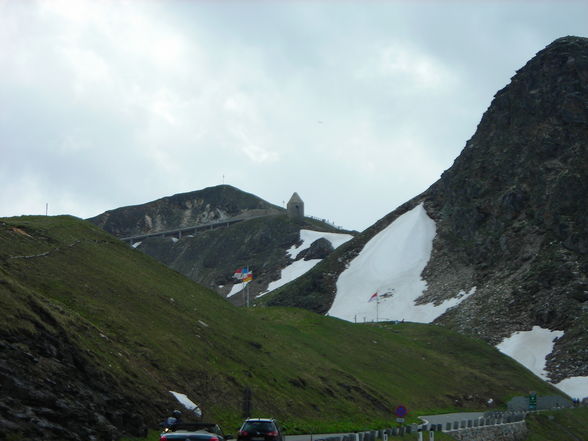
(259, 426)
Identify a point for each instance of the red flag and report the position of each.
(373, 297)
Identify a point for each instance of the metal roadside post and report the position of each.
(431, 435)
(247, 404)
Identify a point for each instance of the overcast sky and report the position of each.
(356, 105)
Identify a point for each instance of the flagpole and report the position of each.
(243, 286)
(377, 297)
(377, 309)
(244, 275)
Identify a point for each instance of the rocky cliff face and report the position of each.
(511, 216)
(43, 372)
(512, 211)
(211, 204)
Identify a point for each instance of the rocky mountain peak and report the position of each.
(183, 210)
(512, 213)
(548, 88)
(511, 217)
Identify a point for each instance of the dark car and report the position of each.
(260, 429)
(195, 432)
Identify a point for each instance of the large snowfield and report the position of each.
(391, 264)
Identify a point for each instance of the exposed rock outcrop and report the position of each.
(512, 212)
(319, 249)
(52, 389)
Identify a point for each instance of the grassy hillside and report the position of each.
(85, 315)
(563, 425)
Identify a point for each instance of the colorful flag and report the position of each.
(241, 273)
(373, 297)
(248, 277)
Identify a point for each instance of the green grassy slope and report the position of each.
(561, 425)
(145, 329)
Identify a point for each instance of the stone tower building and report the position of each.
(295, 207)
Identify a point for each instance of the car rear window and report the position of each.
(259, 426)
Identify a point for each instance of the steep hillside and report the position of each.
(509, 221)
(261, 244)
(95, 334)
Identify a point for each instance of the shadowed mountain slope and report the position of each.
(246, 232)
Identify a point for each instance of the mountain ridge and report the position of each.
(184, 210)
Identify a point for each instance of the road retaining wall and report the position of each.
(493, 426)
(505, 432)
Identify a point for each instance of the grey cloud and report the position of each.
(139, 101)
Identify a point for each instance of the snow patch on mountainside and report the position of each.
(236, 288)
(291, 272)
(299, 267)
(530, 348)
(575, 387)
(391, 264)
